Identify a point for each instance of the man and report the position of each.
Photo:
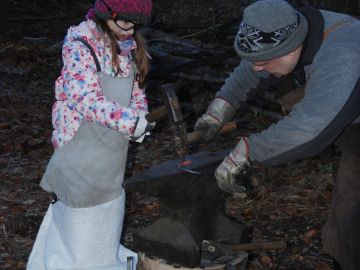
(322, 50)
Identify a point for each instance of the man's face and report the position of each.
(280, 66)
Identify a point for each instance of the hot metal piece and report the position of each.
(182, 168)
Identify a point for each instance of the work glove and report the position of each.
(142, 128)
(219, 112)
(231, 174)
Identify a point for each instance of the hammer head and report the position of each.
(172, 104)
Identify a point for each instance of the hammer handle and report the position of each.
(259, 246)
(156, 114)
(195, 136)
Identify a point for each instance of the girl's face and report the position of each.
(121, 29)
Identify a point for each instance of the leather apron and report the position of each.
(82, 230)
(89, 170)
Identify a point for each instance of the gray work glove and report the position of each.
(219, 112)
(142, 128)
(231, 173)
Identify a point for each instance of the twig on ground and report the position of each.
(28, 19)
(35, 39)
(201, 78)
(5, 233)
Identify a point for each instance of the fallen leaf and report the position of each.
(265, 260)
(257, 235)
(255, 182)
(247, 212)
(20, 265)
(274, 216)
(328, 196)
(291, 210)
(5, 125)
(297, 258)
(13, 195)
(323, 266)
(309, 235)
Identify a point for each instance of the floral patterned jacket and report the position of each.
(78, 92)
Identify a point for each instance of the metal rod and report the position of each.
(183, 169)
(130, 262)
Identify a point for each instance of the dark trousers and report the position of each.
(341, 235)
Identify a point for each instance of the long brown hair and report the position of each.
(141, 57)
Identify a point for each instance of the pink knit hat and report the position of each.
(137, 11)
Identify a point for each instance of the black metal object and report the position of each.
(169, 184)
(191, 210)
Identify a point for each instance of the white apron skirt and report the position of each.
(77, 239)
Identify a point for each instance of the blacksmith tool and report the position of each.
(172, 108)
(181, 138)
(233, 256)
(178, 126)
(214, 253)
(216, 247)
(189, 210)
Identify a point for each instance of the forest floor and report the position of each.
(291, 201)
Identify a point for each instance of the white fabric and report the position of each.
(140, 128)
(81, 238)
(139, 140)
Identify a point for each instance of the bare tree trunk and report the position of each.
(4, 10)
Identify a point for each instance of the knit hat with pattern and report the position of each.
(137, 11)
(270, 29)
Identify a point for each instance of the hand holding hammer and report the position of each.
(172, 108)
(181, 137)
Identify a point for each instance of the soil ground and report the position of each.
(290, 203)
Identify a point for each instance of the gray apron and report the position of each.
(89, 170)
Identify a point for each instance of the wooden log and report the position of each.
(259, 246)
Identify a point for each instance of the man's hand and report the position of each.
(208, 125)
(219, 112)
(230, 174)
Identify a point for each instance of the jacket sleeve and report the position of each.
(138, 99)
(331, 102)
(81, 85)
(241, 81)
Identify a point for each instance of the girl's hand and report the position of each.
(142, 127)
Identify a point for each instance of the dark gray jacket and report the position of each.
(332, 93)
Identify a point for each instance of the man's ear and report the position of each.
(294, 55)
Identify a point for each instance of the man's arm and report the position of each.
(228, 99)
(241, 81)
(331, 102)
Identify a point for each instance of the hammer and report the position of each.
(173, 109)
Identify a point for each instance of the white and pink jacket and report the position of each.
(78, 92)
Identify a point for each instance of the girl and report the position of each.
(100, 106)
